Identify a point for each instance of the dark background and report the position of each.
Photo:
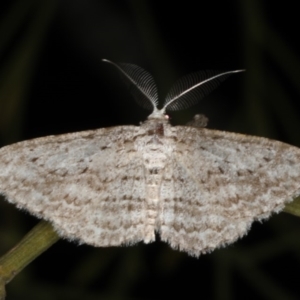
(52, 81)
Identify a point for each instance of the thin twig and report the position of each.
(38, 240)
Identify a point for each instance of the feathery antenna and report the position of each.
(191, 88)
(141, 84)
(186, 91)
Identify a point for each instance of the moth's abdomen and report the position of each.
(155, 159)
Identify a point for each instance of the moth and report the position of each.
(199, 189)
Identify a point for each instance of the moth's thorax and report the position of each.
(155, 139)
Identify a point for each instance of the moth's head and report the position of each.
(158, 114)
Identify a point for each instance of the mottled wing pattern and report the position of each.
(89, 184)
(221, 183)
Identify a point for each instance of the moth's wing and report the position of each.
(221, 182)
(89, 185)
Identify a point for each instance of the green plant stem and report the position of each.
(38, 240)
(293, 207)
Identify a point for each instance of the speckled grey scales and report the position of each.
(94, 185)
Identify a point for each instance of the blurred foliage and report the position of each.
(52, 81)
